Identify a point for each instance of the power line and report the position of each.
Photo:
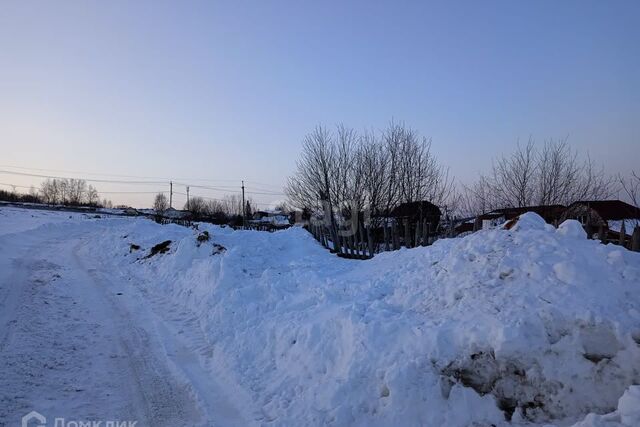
(15, 185)
(131, 192)
(218, 188)
(80, 173)
(222, 189)
(85, 179)
(142, 177)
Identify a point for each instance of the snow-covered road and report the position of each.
(78, 343)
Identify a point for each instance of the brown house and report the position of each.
(613, 215)
(418, 211)
(550, 214)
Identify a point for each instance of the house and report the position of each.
(417, 211)
(275, 218)
(464, 226)
(129, 211)
(612, 215)
(173, 213)
(551, 214)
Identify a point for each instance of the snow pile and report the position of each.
(17, 220)
(528, 324)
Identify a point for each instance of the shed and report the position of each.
(608, 213)
(415, 211)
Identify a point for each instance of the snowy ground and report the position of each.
(530, 326)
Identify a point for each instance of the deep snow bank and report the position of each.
(530, 324)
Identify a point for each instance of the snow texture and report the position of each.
(525, 326)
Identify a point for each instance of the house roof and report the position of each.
(611, 209)
(415, 208)
(546, 211)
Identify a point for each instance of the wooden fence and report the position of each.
(616, 237)
(178, 221)
(366, 241)
(262, 227)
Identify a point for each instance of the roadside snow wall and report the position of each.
(531, 324)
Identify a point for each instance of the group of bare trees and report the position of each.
(68, 191)
(230, 205)
(200, 207)
(346, 172)
(551, 174)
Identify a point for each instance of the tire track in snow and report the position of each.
(174, 388)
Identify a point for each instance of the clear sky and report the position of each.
(226, 91)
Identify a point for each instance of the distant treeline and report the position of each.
(343, 170)
(59, 191)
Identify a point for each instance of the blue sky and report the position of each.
(226, 91)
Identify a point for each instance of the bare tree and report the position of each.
(197, 206)
(375, 169)
(555, 174)
(631, 187)
(476, 199)
(92, 196)
(68, 191)
(160, 203)
(563, 178)
(512, 179)
(350, 172)
(313, 181)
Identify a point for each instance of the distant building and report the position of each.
(129, 211)
(418, 211)
(274, 218)
(173, 213)
(610, 214)
(551, 214)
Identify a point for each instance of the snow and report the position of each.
(534, 324)
(629, 224)
(572, 228)
(629, 406)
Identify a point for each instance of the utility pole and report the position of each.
(244, 209)
(188, 198)
(170, 194)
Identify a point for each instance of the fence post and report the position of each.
(623, 234)
(385, 228)
(425, 233)
(635, 239)
(335, 238)
(396, 239)
(407, 233)
(602, 235)
(589, 228)
(370, 240)
(354, 243)
(325, 235)
(351, 243)
(362, 250)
